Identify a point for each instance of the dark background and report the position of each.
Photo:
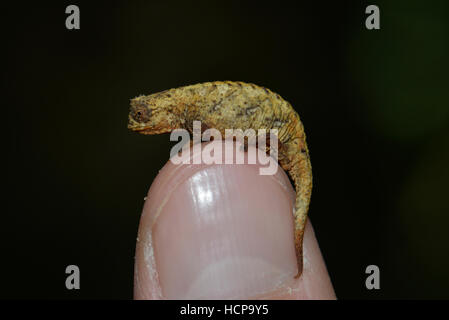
(375, 105)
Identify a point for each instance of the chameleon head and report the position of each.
(150, 115)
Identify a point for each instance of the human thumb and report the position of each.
(223, 231)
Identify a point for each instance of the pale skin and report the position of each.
(235, 105)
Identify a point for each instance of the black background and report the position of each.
(375, 106)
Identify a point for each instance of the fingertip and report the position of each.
(223, 232)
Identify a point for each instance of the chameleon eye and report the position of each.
(141, 113)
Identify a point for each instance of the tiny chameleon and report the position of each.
(234, 105)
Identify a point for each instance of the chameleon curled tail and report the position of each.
(235, 105)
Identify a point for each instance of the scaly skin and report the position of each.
(234, 105)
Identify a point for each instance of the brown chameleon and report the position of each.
(234, 105)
